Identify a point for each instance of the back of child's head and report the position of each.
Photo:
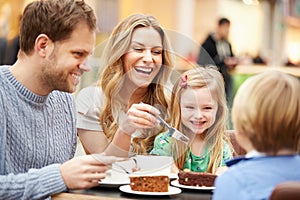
(266, 110)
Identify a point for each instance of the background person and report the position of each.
(12, 49)
(217, 50)
(3, 44)
(135, 62)
(37, 123)
(5, 13)
(265, 114)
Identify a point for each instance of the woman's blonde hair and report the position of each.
(215, 136)
(266, 110)
(112, 77)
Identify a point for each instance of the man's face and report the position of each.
(63, 68)
(224, 30)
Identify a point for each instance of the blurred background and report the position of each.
(269, 29)
(263, 33)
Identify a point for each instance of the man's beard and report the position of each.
(53, 79)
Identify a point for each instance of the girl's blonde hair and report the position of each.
(112, 77)
(266, 110)
(215, 136)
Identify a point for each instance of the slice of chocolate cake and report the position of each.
(196, 178)
(150, 183)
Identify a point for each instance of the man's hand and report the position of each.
(85, 171)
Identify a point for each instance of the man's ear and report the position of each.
(42, 43)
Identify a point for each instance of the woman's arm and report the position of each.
(120, 144)
(89, 105)
(139, 116)
(92, 141)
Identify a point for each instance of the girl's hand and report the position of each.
(139, 116)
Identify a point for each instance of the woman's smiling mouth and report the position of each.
(145, 70)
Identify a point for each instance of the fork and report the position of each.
(174, 132)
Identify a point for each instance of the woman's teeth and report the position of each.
(144, 70)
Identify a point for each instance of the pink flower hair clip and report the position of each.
(183, 83)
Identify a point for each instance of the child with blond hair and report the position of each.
(198, 109)
(266, 117)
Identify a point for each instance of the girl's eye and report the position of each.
(189, 107)
(208, 108)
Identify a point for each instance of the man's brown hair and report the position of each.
(55, 18)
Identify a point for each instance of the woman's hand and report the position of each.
(139, 116)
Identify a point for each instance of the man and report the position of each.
(216, 50)
(37, 123)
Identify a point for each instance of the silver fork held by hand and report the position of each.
(174, 132)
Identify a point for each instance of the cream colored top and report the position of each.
(89, 102)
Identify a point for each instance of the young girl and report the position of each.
(198, 109)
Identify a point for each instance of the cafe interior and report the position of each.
(264, 29)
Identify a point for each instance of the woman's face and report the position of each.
(198, 109)
(143, 60)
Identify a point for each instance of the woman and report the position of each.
(135, 63)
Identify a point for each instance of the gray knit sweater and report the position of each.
(37, 133)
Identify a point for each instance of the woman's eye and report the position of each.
(138, 49)
(208, 108)
(156, 52)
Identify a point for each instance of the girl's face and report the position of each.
(143, 60)
(198, 109)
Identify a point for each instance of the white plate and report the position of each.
(173, 176)
(113, 183)
(116, 183)
(176, 183)
(172, 191)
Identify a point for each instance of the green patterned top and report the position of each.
(193, 163)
